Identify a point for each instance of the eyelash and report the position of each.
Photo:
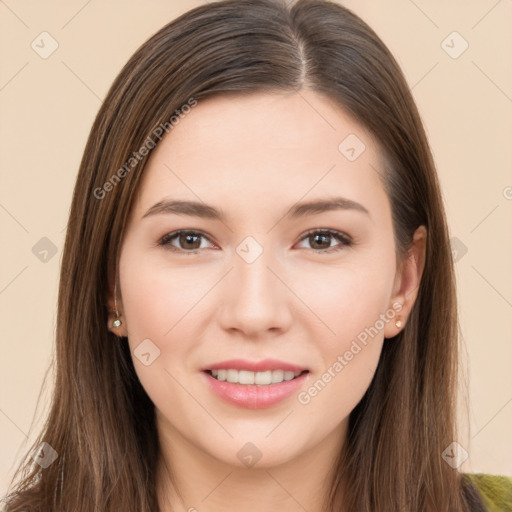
(344, 239)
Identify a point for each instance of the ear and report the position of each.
(407, 282)
(114, 299)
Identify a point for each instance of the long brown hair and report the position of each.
(101, 422)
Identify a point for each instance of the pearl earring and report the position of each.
(117, 322)
(398, 323)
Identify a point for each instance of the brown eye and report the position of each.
(187, 241)
(320, 240)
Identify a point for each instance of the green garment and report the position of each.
(495, 490)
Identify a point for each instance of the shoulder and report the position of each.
(495, 490)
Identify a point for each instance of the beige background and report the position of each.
(48, 106)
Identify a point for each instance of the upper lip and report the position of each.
(254, 366)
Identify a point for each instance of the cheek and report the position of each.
(158, 303)
(350, 300)
(158, 299)
(349, 359)
(353, 307)
(334, 393)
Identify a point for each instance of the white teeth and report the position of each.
(263, 378)
(232, 376)
(248, 377)
(277, 376)
(245, 377)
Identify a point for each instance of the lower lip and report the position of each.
(252, 396)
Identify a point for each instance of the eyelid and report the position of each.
(344, 239)
(165, 240)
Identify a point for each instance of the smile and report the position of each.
(253, 395)
(259, 378)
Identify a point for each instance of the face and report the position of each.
(252, 273)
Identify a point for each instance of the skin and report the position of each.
(254, 157)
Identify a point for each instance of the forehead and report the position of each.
(276, 148)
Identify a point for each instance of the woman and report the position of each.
(257, 302)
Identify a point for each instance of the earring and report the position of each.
(117, 322)
(398, 323)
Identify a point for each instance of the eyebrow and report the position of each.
(203, 210)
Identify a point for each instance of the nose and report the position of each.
(255, 299)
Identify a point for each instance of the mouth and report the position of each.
(247, 377)
(255, 389)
